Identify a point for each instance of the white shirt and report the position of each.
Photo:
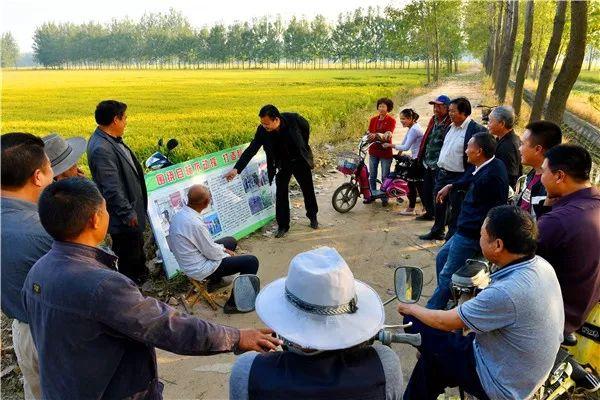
(412, 140)
(453, 149)
(483, 165)
(196, 252)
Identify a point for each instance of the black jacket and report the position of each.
(507, 150)
(472, 129)
(120, 182)
(297, 130)
(486, 190)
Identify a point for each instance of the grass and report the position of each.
(205, 110)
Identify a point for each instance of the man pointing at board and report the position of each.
(284, 138)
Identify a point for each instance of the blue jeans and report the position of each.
(450, 258)
(386, 164)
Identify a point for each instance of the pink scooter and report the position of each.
(394, 186)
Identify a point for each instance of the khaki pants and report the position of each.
(27, 358)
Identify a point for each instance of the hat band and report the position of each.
(62, 157)
(348, 308)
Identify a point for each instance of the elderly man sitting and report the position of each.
(198, 255)
(325, 318)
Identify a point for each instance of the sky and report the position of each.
(21, 17)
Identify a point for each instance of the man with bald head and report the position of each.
(199, 256)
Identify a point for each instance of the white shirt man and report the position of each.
(196, 252)
(452, 153)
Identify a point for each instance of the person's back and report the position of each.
(526, 323)
(68, 295)
(367, 372)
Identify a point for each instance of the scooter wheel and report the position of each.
(344, 198)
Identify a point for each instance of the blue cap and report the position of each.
(442, 99)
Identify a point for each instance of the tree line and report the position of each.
(529, 39)
(426, 31)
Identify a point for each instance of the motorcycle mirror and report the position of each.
(245, 289)
(408, 283)
(160, 142)
(171, 144)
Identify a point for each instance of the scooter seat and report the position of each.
(473, 273)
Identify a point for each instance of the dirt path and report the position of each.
(369, 238)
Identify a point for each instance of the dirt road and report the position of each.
(369, 238)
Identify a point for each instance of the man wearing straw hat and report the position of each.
(325, 318)
(64, 155)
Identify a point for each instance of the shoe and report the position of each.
(314, 223)
(281, 232)
(368, 201)
(216, 285)
(425, 217)
(432, 236)
(408, 211)
(384, 203)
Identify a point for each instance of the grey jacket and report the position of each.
(120, 181)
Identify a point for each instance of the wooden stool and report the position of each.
(199, 290)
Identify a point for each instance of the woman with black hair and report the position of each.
(381, 128)
(412, 141)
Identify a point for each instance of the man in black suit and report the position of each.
(120, 178)
(284, 138)
(452, 163)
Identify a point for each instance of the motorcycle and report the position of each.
(158, 160)
(575, 369)
(485, 113)
(394, 186)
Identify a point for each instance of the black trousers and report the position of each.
(129, 247)
(426, 191)
(303, 174)
(244, 264)
(413, 189)
(447, 360)
(442, 210)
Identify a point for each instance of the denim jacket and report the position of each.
(95, 332)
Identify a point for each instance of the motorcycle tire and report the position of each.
(344, 198)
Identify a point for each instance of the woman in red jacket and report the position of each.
(381, 128)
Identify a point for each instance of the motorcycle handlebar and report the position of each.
(387, 338)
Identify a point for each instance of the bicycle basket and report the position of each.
(348, 163)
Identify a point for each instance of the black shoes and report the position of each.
(281, 232)
(425, 217)
(432, 236)
(314, 223)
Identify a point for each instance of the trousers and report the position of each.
(303, 174)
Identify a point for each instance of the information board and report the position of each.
(237, 209)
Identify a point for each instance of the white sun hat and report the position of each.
(320, 305)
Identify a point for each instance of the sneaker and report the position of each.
(432, 236)
(314, 223)
(281, 232)
(425, 217)
(408, 211)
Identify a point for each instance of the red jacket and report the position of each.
(375, 126)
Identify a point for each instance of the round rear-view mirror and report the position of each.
(172, 143)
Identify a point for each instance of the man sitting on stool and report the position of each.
(198, 255)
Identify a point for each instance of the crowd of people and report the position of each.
(82, 328)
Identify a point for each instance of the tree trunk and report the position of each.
(572, 63)
(590, 58)
(551, 53)
(525, 56)
(509, 48)
(489, 53)
(498, 43)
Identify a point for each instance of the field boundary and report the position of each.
(578, 129)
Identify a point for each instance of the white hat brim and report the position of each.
(321, 332)
(78, 146)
